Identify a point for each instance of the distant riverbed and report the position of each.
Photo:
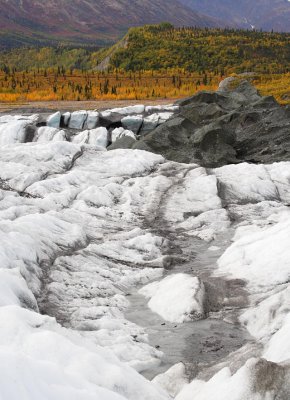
(49, 106)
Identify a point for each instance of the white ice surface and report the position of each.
(261, 256)
(39, 359)
(227, 386)
(75, 234)
(70, 223)
(173, 380)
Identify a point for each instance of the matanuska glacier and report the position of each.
(127, 276)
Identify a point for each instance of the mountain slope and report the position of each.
(261, 14)
(161, 46)
(86, 21)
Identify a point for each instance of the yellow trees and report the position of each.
(120, 85)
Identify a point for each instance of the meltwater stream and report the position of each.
(203, 343)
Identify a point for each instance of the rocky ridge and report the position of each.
(261, 14)
(80, 22)
(232, 125)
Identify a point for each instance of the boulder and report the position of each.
(110, 120)
(149, 123)
(212, 145)
(225, 84)
(202, 112)
(170, 139)
(125, 142)
(30, 131)
(234, 124)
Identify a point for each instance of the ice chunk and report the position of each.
(53, 120)
(95, 137)
(176, 298)
(47, 134)
(81, 138)
(98, 137)
(150, 123)
(132, 123)
(13, 131)
(77, 119)
(137, 109)
(92, 120)
(118, 133)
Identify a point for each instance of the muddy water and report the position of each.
(198, 344)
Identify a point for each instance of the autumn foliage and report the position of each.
(156, 62)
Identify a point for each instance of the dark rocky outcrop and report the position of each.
(125, 142)
(30, 131)
(112, 121)
(232, 125)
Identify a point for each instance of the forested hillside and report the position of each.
(150, 62)
(156, 47)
